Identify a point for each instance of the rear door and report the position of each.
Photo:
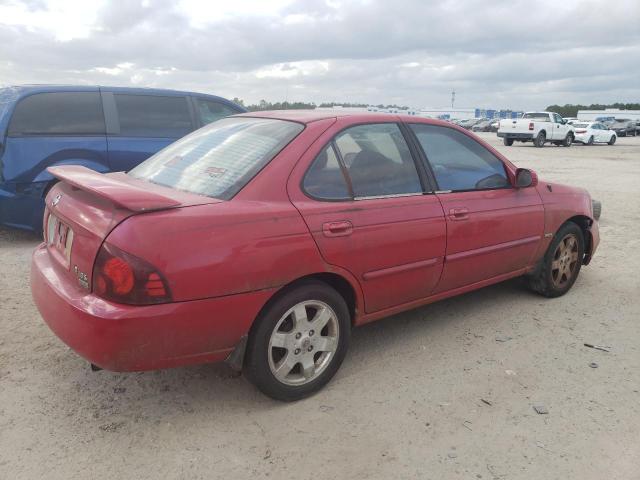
(371, 212)
(49, 128)
(139, 125)
(492, 228)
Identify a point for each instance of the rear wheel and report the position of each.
(540, 139)
(507, 141)
(568, 140)
(612, 140)
(590, 141)
(299, 342)
(560, 266)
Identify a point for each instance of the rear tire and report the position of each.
(612, 140)
(568, 140)
(507, 141)
(540, 139)
(299, 342)
(559, 268)
(590, 141)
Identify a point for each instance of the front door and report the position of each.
(492, 228)
(366, 207)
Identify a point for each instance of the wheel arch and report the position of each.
(345, 285)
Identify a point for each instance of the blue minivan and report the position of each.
(107, 129)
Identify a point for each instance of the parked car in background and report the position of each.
(537, 127)
(589, 133)
(264, 237)
(495, 125)
(482, 126)
(623, 127)
(469, 123)
(102, 128)
(571, 120)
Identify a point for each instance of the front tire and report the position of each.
(540, 139)
(507, 141)
(560, 266)
(299, 342)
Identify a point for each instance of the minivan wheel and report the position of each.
(299, 342)
(560, 266)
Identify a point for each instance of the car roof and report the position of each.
(308, 116)
(27, 89)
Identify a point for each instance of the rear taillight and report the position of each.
(530, 125)
(123, 278)
(581, 131)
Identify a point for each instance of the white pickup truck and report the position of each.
(537, 127)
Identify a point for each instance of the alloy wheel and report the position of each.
(303, 342)
(565, 261)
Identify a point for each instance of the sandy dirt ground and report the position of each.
(407, 402)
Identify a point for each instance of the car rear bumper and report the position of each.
(581, 137)
(133, 338)
(516, 136)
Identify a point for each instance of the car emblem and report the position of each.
(55, 201)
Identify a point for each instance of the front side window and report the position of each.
(209, 111)
(557, 118)
(378, 160)
(459, 163)
(59, 113)
(153, 115)
(219, 159)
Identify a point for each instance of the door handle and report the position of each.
(341, 228)
(459, 214)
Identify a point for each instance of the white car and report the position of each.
(589, 133)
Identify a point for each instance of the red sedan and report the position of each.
(264, 238)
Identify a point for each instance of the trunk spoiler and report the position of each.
(118, 188)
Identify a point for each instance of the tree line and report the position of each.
(569, 110)
(264, 105)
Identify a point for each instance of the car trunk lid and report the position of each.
(85, 206)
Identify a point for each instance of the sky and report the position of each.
(518, 54)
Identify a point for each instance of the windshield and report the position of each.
(219, 159)
(543, 117)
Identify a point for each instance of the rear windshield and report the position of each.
(219, 159)
(543, 117)
(581, 125)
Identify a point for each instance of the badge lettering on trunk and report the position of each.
(55, 201)
(83, 280)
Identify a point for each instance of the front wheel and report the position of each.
(560, 266)
(299, 342)
(612, 140)
(507, 141)
(540, 139)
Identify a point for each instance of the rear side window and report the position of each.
(458, 161)
(378, 160)
(63, 113)
(209, 111)
(219, 159)
(153, 116)
(325, 179)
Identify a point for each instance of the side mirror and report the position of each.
(526, 178)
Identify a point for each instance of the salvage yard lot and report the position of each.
(407, 402)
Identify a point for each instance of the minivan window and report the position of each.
(59, 113)
(460, 163)
(219, 159)
(153, 115)
(209, 111)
